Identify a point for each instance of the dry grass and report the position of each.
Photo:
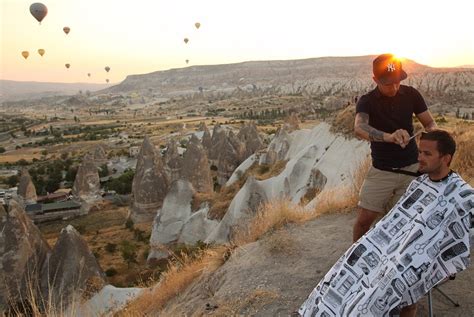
(463, 161)
(344, 121)
(31, 302)
(221, 201)
(264, 171)
(179, 276)
(269, 217)
(15, 156)
(199, 198)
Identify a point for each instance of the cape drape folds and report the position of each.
(423, 240)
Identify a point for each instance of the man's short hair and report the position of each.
(444, 140)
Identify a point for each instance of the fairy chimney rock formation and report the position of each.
(173, 162)
(249, 136)
(217, 140)
(277, 149)
(229, 157)
(87, 183)
(26, 188)
(168, 225)
(206, 137)
(99, 156)
(23, 252)
(71, 268)
(150, 184)
(196, 166)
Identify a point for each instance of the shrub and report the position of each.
(129, 252)
(81, 229)
(139, 235)
(111, 272)
(129, 224)
(110, 247)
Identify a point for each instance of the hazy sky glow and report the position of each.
(142, 36)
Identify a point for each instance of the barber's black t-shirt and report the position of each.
(389, 114)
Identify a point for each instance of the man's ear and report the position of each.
(447, 158)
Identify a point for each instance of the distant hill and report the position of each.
(324, 77)
(312, 71)
(21, 90)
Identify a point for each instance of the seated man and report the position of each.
(423, 240)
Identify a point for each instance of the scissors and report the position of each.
(363, 307)
(420, 247)
(441, 201)
(416, 134)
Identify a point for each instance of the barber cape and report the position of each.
(423, 240)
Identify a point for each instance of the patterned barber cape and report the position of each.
(424, 239)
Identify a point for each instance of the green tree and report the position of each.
(123, 184)
(71, 174)
(22, 162)
(104, 170)
(54, 180)
(12, 180)
(129, 224)
(129, 252)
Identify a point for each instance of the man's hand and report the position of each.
(400, 137)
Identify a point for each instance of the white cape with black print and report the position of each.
(420, 242)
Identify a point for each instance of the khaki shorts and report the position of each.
(382, 189)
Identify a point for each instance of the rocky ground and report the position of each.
(273, 276)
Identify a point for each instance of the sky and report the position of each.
(143, 36)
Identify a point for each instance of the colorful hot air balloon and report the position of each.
(41, 51)
(107, 80)
(89, 74)
(39, 11)
(186, 40)
(197, 25)
(107, 68)
(67, 65)
(25, 54)
(66, 29)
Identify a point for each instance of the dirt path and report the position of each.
(272, 277)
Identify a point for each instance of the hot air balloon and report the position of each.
(25, 54)
(39, 11)
(187, 61)
(41, 51)
(186, 40)
(67, 65)
(66, 29)
(107, 68)
(89, 74)
(107, 80)
(197, 25)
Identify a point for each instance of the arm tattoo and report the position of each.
(374, 134)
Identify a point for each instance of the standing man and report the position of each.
(384, 117)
